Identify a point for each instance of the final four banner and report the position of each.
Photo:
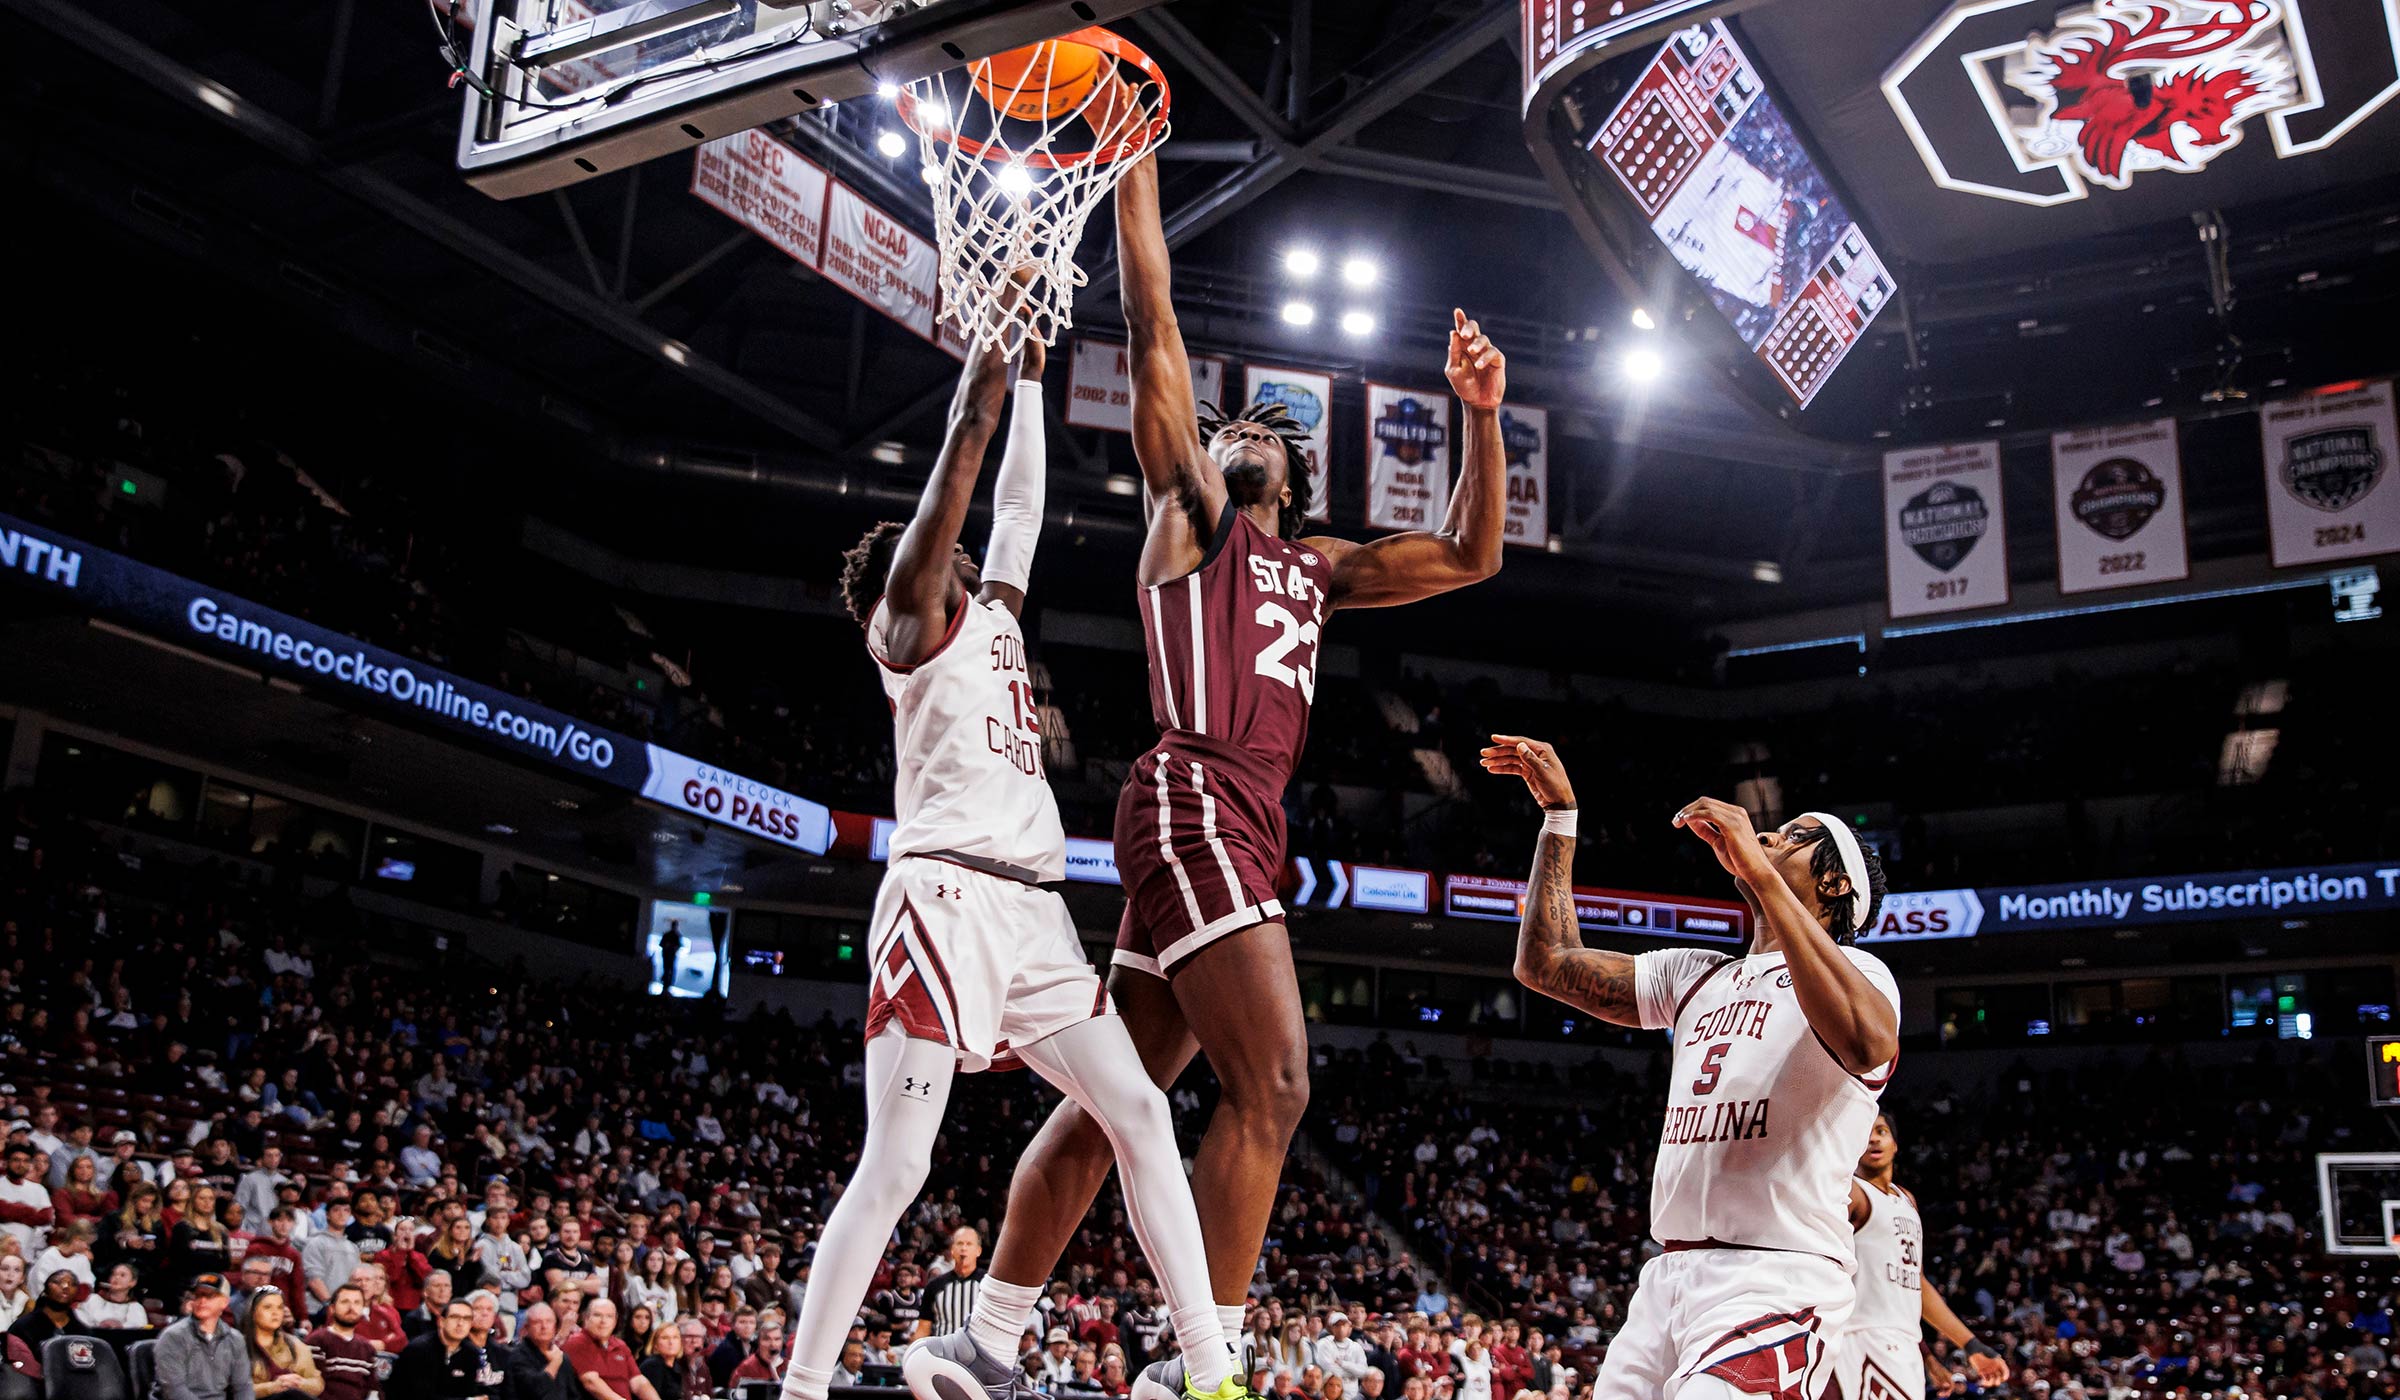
(2118, 494)
(1309, 398)
(1525, 434)
(1944, 548)
(1408, 457)
(2330, 493)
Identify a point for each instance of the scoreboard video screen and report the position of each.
(1725, 183)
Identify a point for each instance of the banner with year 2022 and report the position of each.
(1408, 457)
(2118, 494)
(1309, 399)
(2330, 488)
(1944, 547)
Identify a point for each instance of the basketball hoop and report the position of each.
(1020, 148)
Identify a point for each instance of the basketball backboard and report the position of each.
(2359, 1201)
(562, 90)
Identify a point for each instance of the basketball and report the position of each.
(1041, 81)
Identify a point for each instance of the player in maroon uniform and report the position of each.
(1232, 599)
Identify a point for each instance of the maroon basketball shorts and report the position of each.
(1199, 848)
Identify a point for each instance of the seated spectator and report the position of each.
(379, 1323)
(278, 1247)
(137, 1233)
(602, 1363)
(52, 1313)
(535, 1363)
(345, 1358)
(443, 1364)
(83, 1197)
(280, 1364)
(330, 1256)
(199, 1243)
(200, 1357)
(641, 1324)
(766, 1360)
(112, 1304)
(26, 1213)
(426, 1318)
(851, 1369)
(14, 1299)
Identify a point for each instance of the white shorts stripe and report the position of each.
(1199, 657)
(1166, 848)
(1199, 938)
(1166, 673)
(1208, 832)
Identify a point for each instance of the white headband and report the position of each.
(1854, 864)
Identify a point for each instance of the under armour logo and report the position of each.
(916, 1088)
(948, 892)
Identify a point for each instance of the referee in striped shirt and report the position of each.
(950, 1298)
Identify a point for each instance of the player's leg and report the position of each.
(1094, 1064)
(1748, 1323)
(1641, 1358)
(908, 1089)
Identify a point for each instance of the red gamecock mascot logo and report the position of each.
(2134, 85)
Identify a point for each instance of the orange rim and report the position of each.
(1092, 36)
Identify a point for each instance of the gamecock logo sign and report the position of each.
(2127, 87)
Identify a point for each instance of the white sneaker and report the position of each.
(952, 1367)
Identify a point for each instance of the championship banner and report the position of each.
(1944, 547)
(1309, 397)
(878, 259)
(768, 188)
(2329, 476)
(1408, 457)
(1100, 385)
(1525, 436)
(2118, 493)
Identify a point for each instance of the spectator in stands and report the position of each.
(112, 1304)
(442, 1364)
(330, 1256)
(379, 1323)
(83, 1197)
(52, 1312)
(483, 1324)
(652, 1286)
(199, 1357)
(199, 1243)
(741, 1336)
(766, 1360)
(137, 1233)
(454, 1254)
(602, 1363)
(641, 1324)
(277, 1248)
(672, 1370)
(851, 1369)
(1338, 1352)
(70, 1249)
(426, 1318)
(535, 1363)
(14, 1299)
(256, 1276)
(345, 1358)
(26, 1213)
(256, 1191)
(419, 1160)
(76, 1148)
(505, 1268)
(280, 1364)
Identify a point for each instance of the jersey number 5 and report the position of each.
(1712, 1068)
(1290, 633)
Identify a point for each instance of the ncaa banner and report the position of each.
(767, 187)
(1309, 399)
(2329, 475)
(1525, 436)
(1100, 385)
(2118, 493)
(1408, 457)
(879, 260)
(1944, 548)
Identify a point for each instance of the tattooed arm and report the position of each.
(1551, 958)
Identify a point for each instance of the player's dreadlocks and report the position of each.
(1824, 863)
(1277, 419)
(867, 565)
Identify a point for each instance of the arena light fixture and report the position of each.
(935, 113)
(1302, 263)
(1358, 323)
(1359, 272)
(1643, 320)
(1644, 365)
(887, 91)
(1014, 179)
(892, 144)
(1299, 313)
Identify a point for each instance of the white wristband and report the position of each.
(1558, 821)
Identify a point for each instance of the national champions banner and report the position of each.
(880, 260)
(348, 671)
(2330, 493)
(1309, 399)
(1525, 437)
(2118, 494)
(1408, 457)
(1100, 385)
(1944, 547)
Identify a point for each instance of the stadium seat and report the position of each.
(143, 1366)
(82, 1368)
(16, 1385)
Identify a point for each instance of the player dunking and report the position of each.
(1779, 1056)
(1233, 601)
(1877, 1355)
(971, 959)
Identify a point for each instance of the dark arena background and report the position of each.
(441, 772)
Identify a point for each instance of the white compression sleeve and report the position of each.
(1094, 1063)
(1017, 491)
(908, 1091)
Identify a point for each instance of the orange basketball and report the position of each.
(1041, 81)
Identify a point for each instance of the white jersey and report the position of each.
(1763, 1125)
(1891, 1253)
(967, 741)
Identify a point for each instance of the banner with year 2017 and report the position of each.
(769, 188)
(1309, 399)
(1525, 437)
(880, 260)
(1100, 385)
(1944, 548)
(1408, 457)
(2330, 488)
(2118, 494)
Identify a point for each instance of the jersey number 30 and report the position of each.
(1290, 634)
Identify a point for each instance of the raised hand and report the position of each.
(1727, 830)
(1537, 763)
(1477, 371)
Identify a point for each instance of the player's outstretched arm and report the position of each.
(1989, 1368)
(1176, 468)
(1020, 490)
(1420, 563)
(1846, 1010)
(1551, 958)
(916, 594)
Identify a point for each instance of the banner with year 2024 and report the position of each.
(1100, 385)
(2118, 495)
(1309, 399)
(1944, 547)
(1408, 457)
(2330, 488)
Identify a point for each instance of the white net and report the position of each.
(1015, 175)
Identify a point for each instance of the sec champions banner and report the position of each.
(2330, 493)
(1100, 385)
(1525, 435)
(1943, 546)
(1309, 398)
(1408, 457)
(2118, 493)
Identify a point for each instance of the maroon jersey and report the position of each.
(1233, 651)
